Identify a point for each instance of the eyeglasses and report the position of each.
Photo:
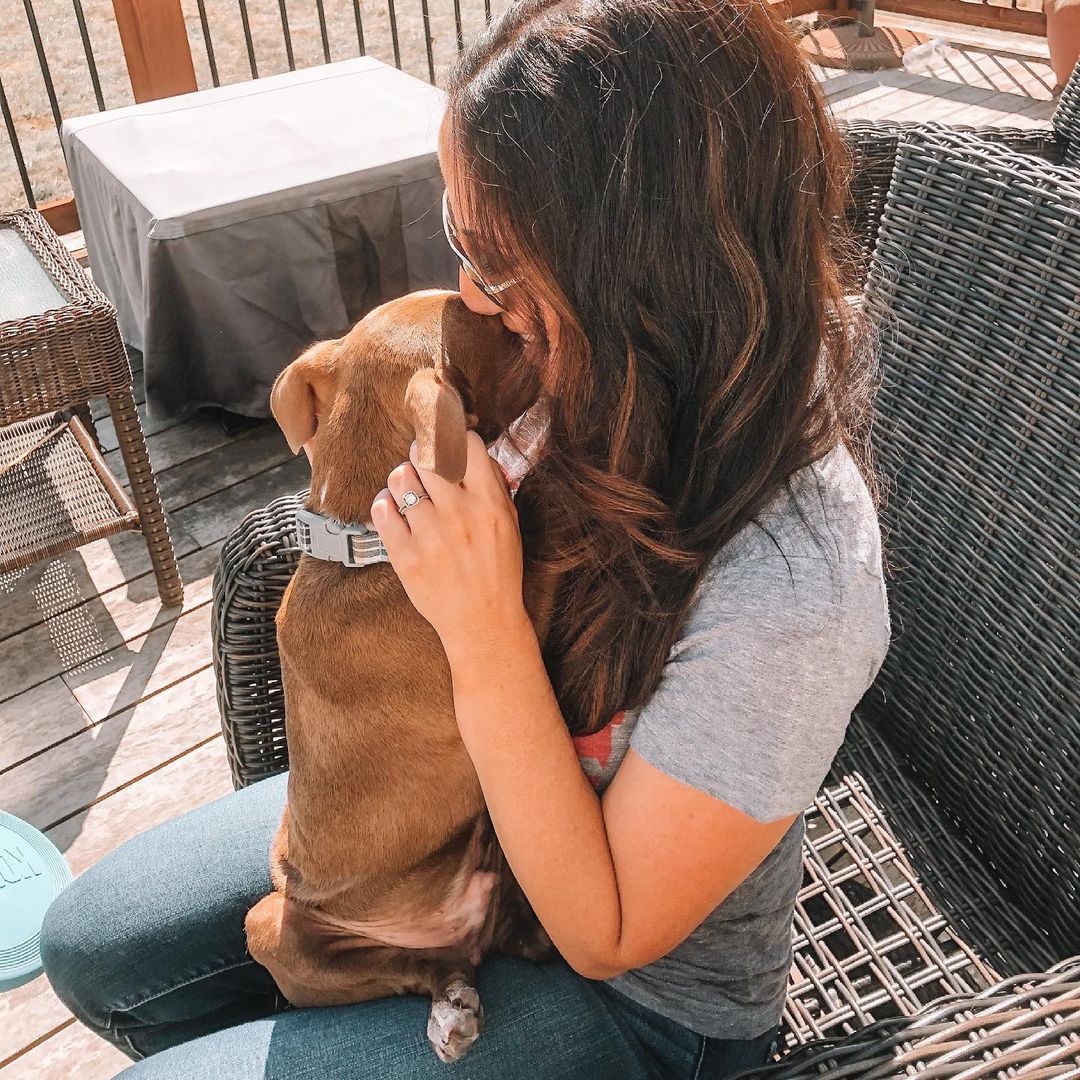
(474, 275)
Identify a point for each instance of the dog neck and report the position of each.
(356, 449)
(354, 546)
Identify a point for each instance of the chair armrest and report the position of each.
(1026, 1026)
(257, 563)
(873, 145)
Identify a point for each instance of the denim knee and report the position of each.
(73, 953)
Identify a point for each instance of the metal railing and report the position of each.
(34, 29)
(158, 48)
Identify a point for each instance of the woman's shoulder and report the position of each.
(812, 555)
(824, 513)
(824, 517)
(788, 630)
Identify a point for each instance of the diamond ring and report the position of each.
(410, 499)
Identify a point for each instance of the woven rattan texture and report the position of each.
(976, 291)
(62, 358)
(53, 492)
(873, 144)
(1026, 1027)
(869, 942)
(257, 562)
(67, 355)
(1066, 118)
(951, 869)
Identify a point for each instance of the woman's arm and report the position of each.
(617, 882)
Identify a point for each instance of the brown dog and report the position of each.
(386, 872)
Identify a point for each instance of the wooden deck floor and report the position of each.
(108, 723)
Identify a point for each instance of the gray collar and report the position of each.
(350, 545)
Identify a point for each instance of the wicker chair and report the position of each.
(56, 491)
(873, 145)
(1066, 119)
(942, 860)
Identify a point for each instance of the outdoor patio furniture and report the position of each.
(1066, 118)
(873, 144)
(942, 859)
(59, 347)
(233, 226)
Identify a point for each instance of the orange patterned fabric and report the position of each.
(602, 752)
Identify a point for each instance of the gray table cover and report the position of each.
(232, 227)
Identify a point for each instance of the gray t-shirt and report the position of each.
(787, 631)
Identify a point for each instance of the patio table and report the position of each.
(232, 227)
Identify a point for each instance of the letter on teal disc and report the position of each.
(32, 872)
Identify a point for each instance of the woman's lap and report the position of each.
(148, 949)
(154, 932)
(541, 1021)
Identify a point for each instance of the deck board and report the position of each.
(108, 723)
(34, 720)
(194, 778)
(77, 636)
(97, 1059)
(67, 779)
(143, 667)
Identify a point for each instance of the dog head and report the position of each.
(422, 367)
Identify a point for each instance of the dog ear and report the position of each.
(439, 421)
(295, 395)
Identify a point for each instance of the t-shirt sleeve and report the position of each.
(758, 691)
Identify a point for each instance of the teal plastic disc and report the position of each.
(32, 873)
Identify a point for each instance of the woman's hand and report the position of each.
(457, 552)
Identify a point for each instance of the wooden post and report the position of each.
(61, 215)
(156, 48)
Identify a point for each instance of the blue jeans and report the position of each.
(147, 949)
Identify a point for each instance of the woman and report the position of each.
(646, 191)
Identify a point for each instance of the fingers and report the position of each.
(392, 528)
(484, 479)
(404, 478)
(478, 469)
(436, 486)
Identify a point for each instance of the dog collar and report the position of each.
(330, 540)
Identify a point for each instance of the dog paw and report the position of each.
(456, 1022)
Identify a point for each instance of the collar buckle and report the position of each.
(324, 538)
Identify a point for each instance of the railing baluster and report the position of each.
(359, 27)
(288, 37)
(16, 149)
(322, 30)
(247, 40)
(427, 40)
(89, 52)
(393, 34)
(46, 74)
(204, 22)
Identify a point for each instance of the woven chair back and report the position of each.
(1066, 118)
(975, 294)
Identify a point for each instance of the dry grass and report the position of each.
(63, 47)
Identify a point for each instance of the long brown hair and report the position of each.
(665, 177)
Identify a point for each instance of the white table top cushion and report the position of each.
(217, 156)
